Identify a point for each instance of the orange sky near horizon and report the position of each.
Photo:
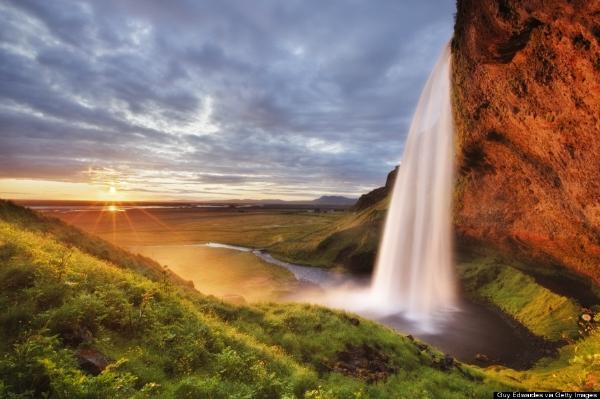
(55, 190)
(34, 189)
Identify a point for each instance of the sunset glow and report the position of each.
(153, 105)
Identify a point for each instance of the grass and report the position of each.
(165, 340)
(548, 315)
(544, 313)
(577, 368)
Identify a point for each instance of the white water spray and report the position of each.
(414, 272)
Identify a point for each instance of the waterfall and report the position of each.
(414, 274)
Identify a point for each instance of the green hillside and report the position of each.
(80, 318)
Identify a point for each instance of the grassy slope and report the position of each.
(505, 286)
(166, 340)
(544, 313)
(350, 241)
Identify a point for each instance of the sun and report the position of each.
(111, 193)
(112, 208)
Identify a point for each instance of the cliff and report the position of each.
(526, 94)
(378, 194)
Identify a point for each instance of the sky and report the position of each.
(200, 100)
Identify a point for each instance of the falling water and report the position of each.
(414, 273)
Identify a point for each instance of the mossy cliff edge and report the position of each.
(526, 95)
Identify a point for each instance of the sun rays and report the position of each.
(118, 219)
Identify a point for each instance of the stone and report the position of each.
(91, 361)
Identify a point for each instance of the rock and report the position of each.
(77, 335)
(481, 358)
(365, 362)
(526, 96)
(91, 361)
(352, 320)
(446, 363)
(234, 299)
(374, 196)
(422, 347)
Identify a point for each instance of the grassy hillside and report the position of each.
(349, 242)
(77, 322)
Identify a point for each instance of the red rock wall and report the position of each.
(527, 107)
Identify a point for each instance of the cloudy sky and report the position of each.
(210, 99)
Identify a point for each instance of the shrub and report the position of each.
(76, 320)
(14, 278)
(16, 319)
(50, 295)
(20, 369)
(233, 366)
(7, 251)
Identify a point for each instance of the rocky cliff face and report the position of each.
(526, 87)
(374, 196)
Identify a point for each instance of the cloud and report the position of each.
(265, 98)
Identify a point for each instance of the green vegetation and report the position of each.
(489, 278)
(544, 313)
(349, 241)
(63, 307)
(62, 298)
(577, 368)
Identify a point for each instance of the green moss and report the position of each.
(544, 313)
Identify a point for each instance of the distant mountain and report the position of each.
(334, 200)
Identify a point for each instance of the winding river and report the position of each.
(474, 334)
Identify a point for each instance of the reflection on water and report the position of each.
(315, 275)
